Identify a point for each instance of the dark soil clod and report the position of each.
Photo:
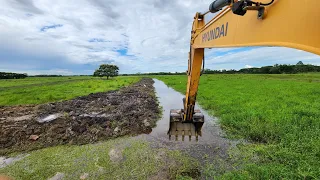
(129, 111)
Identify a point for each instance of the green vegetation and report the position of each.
(108, 70)
(275, 69)
(6, 75)
(131, 159)
(39, 80)
(278, 113)
(54, 89)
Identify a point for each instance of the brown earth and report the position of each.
(129, 111)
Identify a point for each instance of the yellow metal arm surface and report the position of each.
(288, 23)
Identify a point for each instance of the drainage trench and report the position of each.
(211, 144)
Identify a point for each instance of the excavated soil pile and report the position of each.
(129, 111)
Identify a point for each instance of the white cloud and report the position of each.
(156, 34)
(248, 66)
(258, 57)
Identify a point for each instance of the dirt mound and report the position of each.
(129, 111)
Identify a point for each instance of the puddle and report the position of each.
(50, 118)
(211, 143)
(7, 161)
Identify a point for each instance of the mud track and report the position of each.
(129, 111)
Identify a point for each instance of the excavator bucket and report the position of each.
(179, 128)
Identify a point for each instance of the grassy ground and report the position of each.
(279, 113)
(39, 80)
(61, 88)
(122, 158)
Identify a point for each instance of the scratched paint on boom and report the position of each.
(216, 33)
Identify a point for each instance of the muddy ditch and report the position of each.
(131, 110)
(213, 143)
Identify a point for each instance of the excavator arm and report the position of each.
(286, 23)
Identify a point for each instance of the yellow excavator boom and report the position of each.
(286, 23)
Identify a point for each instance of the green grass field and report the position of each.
(279, 113)
(39, 80)
(43, 90)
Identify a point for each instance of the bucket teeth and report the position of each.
(178, 127)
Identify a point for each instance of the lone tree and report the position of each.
(108, 70)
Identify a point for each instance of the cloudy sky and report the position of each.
(74, 36)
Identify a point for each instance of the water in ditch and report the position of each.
(211, 143)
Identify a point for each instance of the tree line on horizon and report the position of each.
(112, 71)
(275, 69)
(9, 75)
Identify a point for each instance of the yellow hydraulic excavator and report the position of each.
(288, 23)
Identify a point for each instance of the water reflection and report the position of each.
(211, 142)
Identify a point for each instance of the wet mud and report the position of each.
(129, 111)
